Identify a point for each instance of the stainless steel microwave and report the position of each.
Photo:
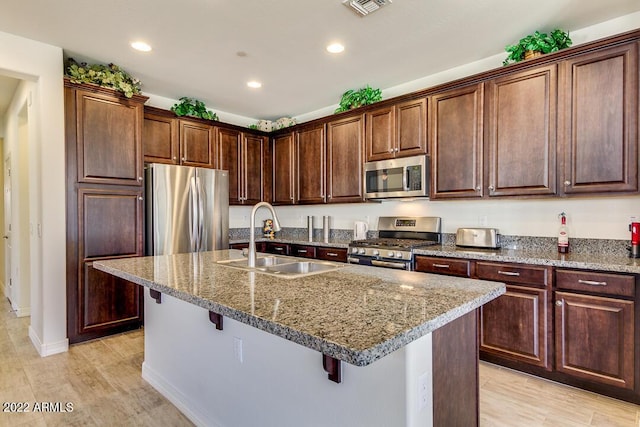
(397, 178)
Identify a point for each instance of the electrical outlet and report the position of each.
(423, 391)
(237, 349)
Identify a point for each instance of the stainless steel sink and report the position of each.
(264, 261)
(284, 267)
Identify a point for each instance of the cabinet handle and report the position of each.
(332, 254)
(279, 249)
(508, 273)
(491, 188)
(592, 282)
(391, 150)
(139, 178)
(140, 198)
(329, 196)
(397, 149)
(478, 188)
(441, 265)
(175, 158)
(567, 183)
(184, 159)
(302, 251)
(559, 303)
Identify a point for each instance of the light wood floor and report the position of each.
(103, 382)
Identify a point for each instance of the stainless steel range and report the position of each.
(398, 238)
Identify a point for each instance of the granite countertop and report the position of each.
(588, 261)
(355, 314)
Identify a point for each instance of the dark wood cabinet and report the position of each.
(310, 165)
(160, 139)
(197, 144)
(303, 251)
(283, 169)
(448, 266)
(104, 204)
(276, 248)
(456, 123)
(108, 136)
(254, 155)
(521, 133)
(230, 159)
(345, 160)
(599, 121)
(594, 327)
(331, 254)
(397, 131)
(517, 325)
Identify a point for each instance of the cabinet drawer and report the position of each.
(602, 283)
(303, 251)
(512, 273)
(450, 266)
(277, 248)
(332, 254)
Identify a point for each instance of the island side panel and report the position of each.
(278, 383)
(455, 373)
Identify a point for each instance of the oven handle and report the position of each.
(399, 265)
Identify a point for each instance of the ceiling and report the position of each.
(196, 42)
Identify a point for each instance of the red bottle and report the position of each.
(563, 235)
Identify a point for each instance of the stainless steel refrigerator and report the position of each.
(187, 209)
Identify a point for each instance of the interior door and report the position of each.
(7, 226)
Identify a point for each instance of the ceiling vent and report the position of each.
(365, 7)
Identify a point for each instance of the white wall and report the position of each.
(41, 66)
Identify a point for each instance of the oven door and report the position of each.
(376, 262)
(405, 177)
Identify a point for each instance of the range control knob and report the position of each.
(361, 251)
(391, 254)
(354, 250)
(399, 255)
(376, 252)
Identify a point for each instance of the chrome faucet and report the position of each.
(252, 230)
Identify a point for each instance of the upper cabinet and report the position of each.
(243, 155)
(396, 131)
(310, 164)
(521, 133)
(456, 120)
(282, 152)
(197, 144)
(108, 153)
(179, 141)
(345, 160)
(599, 121)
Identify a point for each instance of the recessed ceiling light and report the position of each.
(141, 46)
(254, 84)
(335, 48)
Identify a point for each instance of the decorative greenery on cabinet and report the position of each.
(193, 108)
(536, 44)
(109, 76)
(358, 98)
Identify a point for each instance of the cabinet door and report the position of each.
(599, 121)
(109, 226)
(310, 165)
(109, 139)
(456, 143)
(411, 127)
(160, 139)
(381, 134)
(283, 173)
(345, 160)
(331, 254)
(594, 338)
(197, 144)
(276, 248)
(230, 159)
(303, 251)
(514, 326)
(448, 266)
(253, 153)
(521, 133)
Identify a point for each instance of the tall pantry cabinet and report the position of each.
(104, 202)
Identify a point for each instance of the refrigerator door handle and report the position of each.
(201, 200)
(193, 217)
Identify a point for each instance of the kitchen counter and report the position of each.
(332, 243)
(589, 261)
(355, 314)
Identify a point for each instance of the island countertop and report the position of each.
(355, 314)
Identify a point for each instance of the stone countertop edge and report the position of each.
(329, 348)
(585, 261)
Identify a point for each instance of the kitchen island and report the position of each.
(232, 347)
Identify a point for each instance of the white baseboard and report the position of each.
(45, 350)
(176, 397)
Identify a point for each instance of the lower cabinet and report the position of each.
(595, 332)
(303, 251)
(448, 266)
(331, 254)
(516, 326)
